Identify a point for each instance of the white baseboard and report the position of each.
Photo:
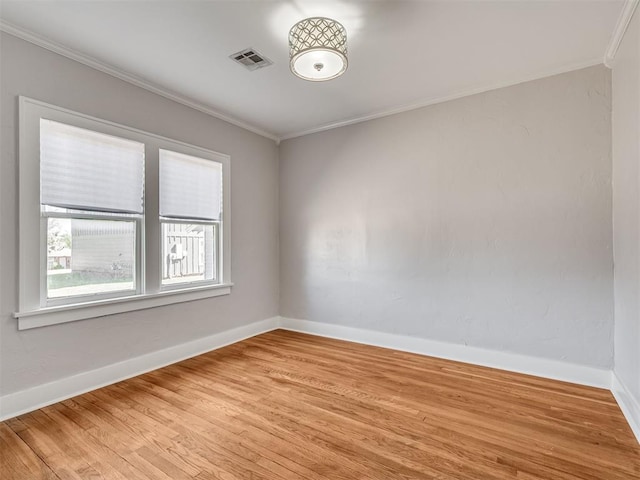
(628, 404)
(24, 401)
(557, 370)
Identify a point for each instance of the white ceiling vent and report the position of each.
(251, 59)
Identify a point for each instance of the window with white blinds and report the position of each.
(190, 212)
(92, 195)
(114, 219)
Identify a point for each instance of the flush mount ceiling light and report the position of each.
(318, 49)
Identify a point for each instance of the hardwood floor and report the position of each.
(289, 406)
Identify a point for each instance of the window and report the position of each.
(190, 211)
(91, 198)
(114, 219)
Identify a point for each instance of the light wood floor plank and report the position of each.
(18, 461)
(286, 406)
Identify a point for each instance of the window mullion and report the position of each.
(151, 225)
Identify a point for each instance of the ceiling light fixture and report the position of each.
(318, 49)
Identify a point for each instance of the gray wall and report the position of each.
(484, 221)
(33, 357)
(626, 207)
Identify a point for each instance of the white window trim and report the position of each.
(80, 311)
(32, 313)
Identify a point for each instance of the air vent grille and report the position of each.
(251, 59)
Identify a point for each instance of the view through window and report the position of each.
(89, 256)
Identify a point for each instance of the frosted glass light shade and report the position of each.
(318, 49)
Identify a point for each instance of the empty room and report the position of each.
(320, 239)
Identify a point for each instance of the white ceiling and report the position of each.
(401, 53)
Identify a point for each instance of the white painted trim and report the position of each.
(25, 401)
(127, 77)
(81, 311)
(446, 98)
(553, 369)
(628, 404)
(618, 33)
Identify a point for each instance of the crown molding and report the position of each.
(446, 98)
(618, 33)
(89, 61)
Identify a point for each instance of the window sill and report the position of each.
(80, 311)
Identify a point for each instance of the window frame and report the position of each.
(35, 309)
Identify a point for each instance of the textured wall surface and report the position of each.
(33, 357)
(626, 207)
(483, 221)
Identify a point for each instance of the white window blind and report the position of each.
(86, 170)
(190, 187)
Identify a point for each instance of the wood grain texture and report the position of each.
(285, 405)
